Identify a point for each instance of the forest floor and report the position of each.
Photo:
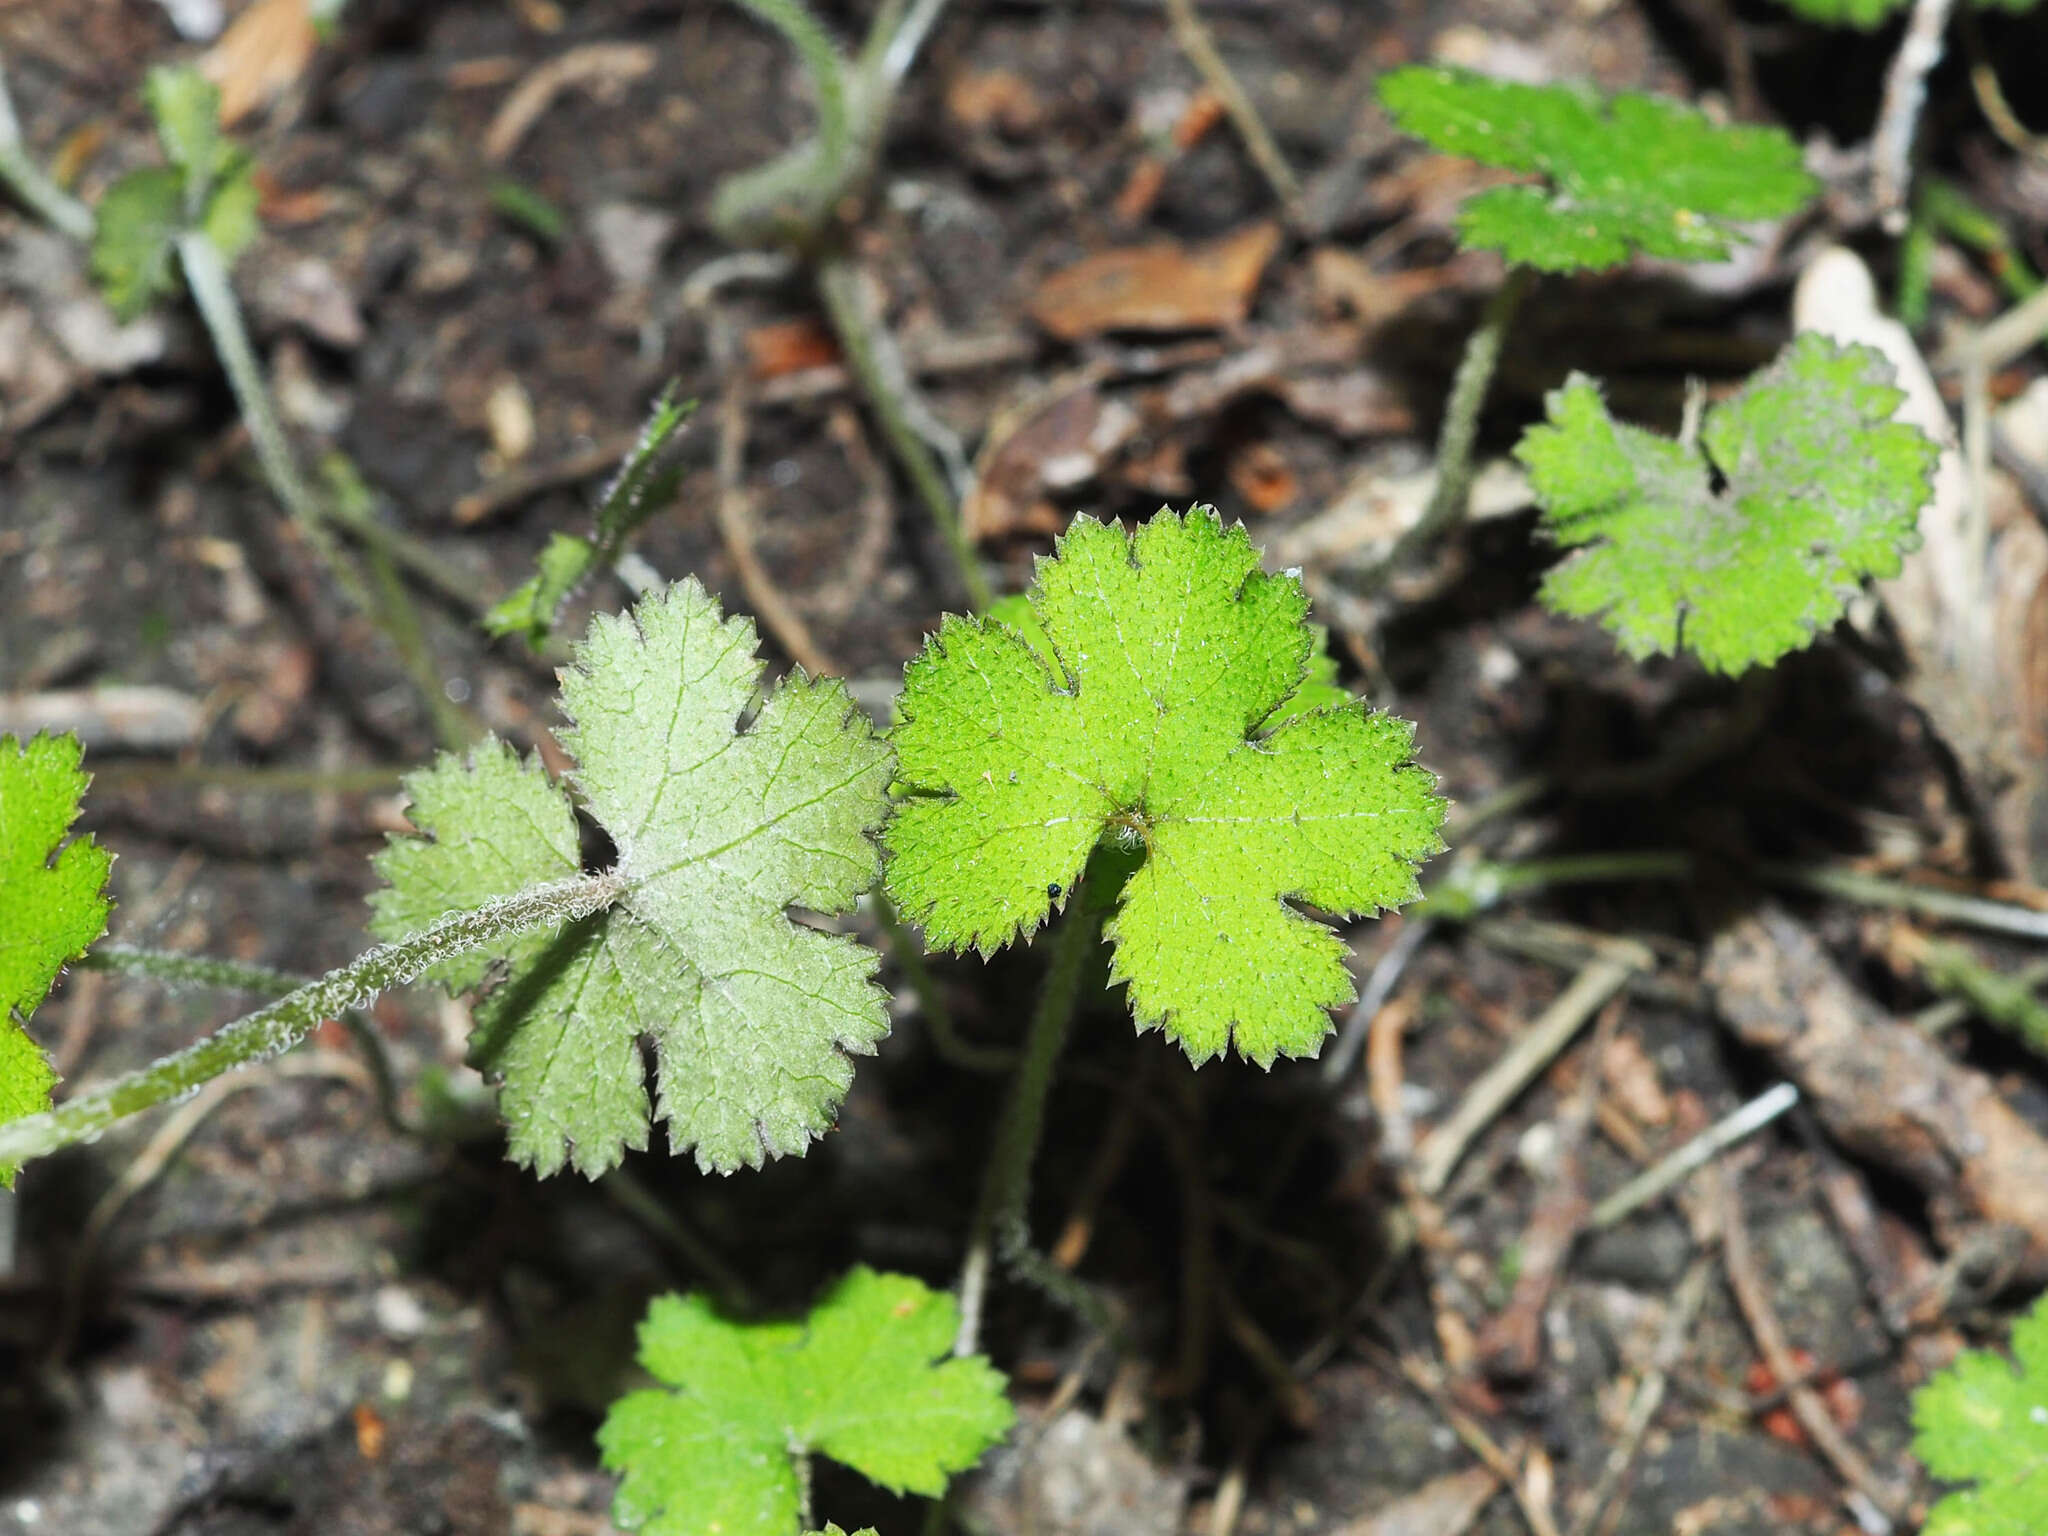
(481, 223)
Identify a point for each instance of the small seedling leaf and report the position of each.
(644, 484)
(53, 904)
(863, 1380)
(1619, 175)
(208, 185)
(1984, 1420)
(1821, 489)
(722, 823)
(1151, 705)
(133, 241)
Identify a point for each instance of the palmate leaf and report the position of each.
(721, 825)
(1622, 174)
(710, 1453)
(53, 904)
(1821, 488)
(1984, 1420)
(207, 185)
(1152, 704)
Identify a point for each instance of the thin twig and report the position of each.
(1196, 42)
(1682, 1162)
(1649, 1393)
(1752, 1298)
(1519, 1065)
(1875, 891)
(1905, 92)
(734, 508)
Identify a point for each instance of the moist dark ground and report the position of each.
(313, 1323)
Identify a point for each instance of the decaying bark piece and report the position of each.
(1882, 1088)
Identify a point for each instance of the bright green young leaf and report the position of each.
(710, 1453)
(1984, 1420)
(1161, 723)
(51, 908)
(1868, 15)
(132, 245)
(722, 824)
(1819, 489)
(1622, 174)
(207, 185)
(642, 487)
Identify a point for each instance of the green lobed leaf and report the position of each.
(207, 185)
(711, 1452)
(1822, 489)
(1984, 1420)
(137, 221)
(53, 904)
(1620, 174)
(722, 824)
(1163, 722)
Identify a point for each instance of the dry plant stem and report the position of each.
(1460, 429)
(1001, 1219)
(1425, 1378)
(1649, 1393)
(869, 354)
(1990, 94)
(733, 507)
(1875, 891)
(1752, 1298)
(1518, 1066)
(38, 193)
(285, 1022)
(1695, 1154)
(1379, 986)
(1195, 41)
(1905, 93)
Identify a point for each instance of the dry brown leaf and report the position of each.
(1259, 473)
(1164, 286)
(1054, 446)
(1342, 283)
(789, 346)
(980, 100)
(260, 56)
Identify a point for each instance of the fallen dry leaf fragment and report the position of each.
(1445, 1507)
(981, 100)
(789, 346)
(1164, 286)
(1052, 446)
(260, 56)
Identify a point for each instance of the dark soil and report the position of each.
(312, 1322)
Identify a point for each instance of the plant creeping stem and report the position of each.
(283, 1024)
(1001, 1221)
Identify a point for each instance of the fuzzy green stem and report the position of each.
(869, 354)
(1001, 1219)
(285, 1022)
(1460, 430)
(206, 274)
(1481, 885)
(28, 181)
(234, 976)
